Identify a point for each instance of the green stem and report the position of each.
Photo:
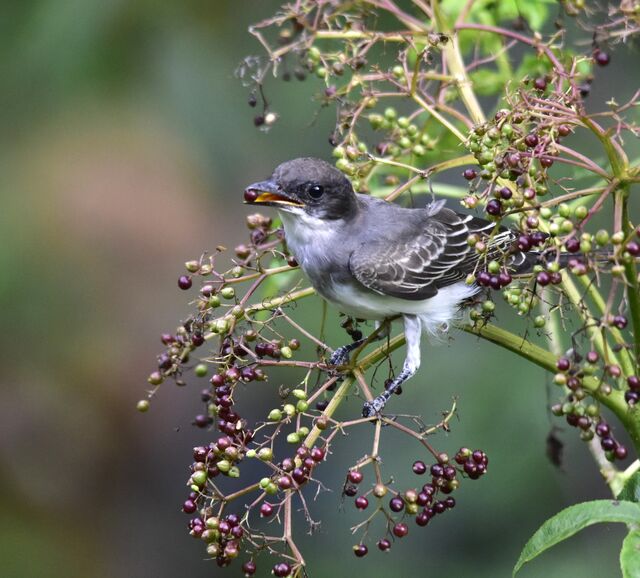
(456, 66)
(615, 401)
(621, 196)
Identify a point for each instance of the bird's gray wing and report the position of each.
(414, 265)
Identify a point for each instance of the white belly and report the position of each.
(434, 312)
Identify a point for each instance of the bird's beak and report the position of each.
(270, 194)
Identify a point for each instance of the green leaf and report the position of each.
(630, 555)
(573, 519)
(631, 489)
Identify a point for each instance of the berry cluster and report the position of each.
(573, 371)
(422, 504)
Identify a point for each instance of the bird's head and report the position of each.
(306, 186)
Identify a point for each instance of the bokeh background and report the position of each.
(126, 143)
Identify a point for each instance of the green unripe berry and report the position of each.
(338, 152)
(251, 453)
(419, 150)
(286, 352)
(488, 306)
(580, 212)
(564, 210)
(264, 482)
(224, 466)
(143, 405)
(602, 237)
(234, 472)
(493, 267)
(293, 438)
(214, 301)
(560, 379)
(302, 406)
(390, 113)
(299, 393)
(617, 238)
(275, 415)
(265, 454)
(227, 292)
(271, 489)
(199, 478)
(303, 431)
(200, 370)
(212, 523)
(289, 409)
(539, 321)
(403, 122)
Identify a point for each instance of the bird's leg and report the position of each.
(341, 355)
(412, 334)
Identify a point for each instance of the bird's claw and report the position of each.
(340, 356)
(373, 408)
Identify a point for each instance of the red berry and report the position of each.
(361, 503)
(601, 58)
(400, 530)
(355, 476)
(384, 545)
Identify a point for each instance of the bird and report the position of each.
(373, 259)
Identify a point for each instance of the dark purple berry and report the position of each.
(422, 519)
(531, 140)
(563, 364)
(189, 507)
(419, 467)
(540, 83)
(350, 490)
(396, 504)
(184, 282)
(494, 207)
(621, 452)
(603, 429)
(634, 382)
(572, 245)
(362, 503)
(608, 444)
(470, 174)
(360, 550)
(249, 568)
(384, 545)
(281, 570)
(266, 509)
(633, 248)
(543, 278)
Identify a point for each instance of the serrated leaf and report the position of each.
(631, 489)
(630, 555)
(573, 519)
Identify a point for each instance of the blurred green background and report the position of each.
(125, 146)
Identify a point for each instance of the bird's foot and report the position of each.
(374, 407)
(340, 356)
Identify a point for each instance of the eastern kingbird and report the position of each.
(373, 259)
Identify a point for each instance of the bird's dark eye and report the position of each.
(316, 191)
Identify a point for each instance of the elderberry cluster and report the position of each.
(422, 504)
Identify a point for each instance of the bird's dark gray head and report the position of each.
(307, 185)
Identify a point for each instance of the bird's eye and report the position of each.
(316, 191)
